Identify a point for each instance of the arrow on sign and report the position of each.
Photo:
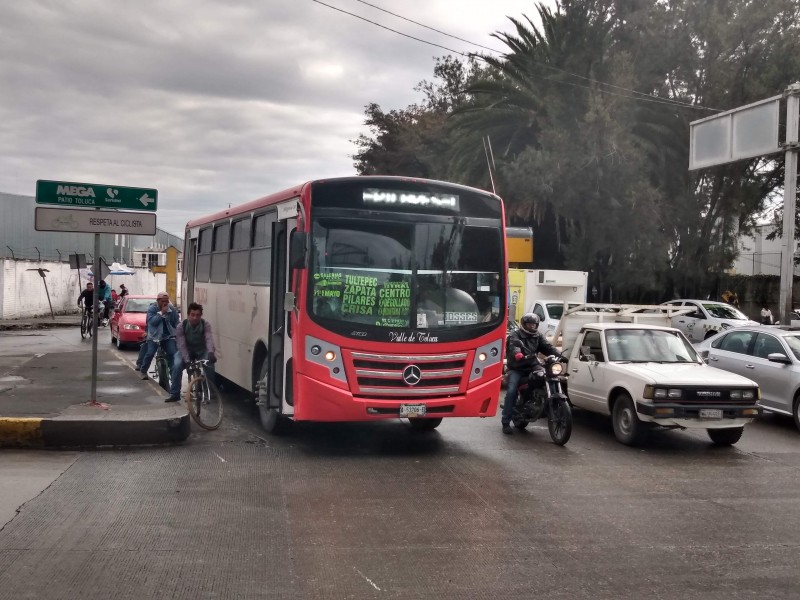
(145, 199)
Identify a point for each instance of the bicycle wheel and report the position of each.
(162, 373)
(84, 325)
(204, 402)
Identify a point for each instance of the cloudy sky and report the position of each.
(211, 102)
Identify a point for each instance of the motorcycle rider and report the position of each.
(522, 346)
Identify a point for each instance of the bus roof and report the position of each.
(295, 191)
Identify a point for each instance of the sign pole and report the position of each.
(95, 315)
(789, 201)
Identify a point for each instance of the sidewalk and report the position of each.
(42, 403)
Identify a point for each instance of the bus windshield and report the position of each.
(393, 273)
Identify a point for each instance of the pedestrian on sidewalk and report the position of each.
(766, 316)
(162, 321)
(195, 342)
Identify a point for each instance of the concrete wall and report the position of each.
(22, 291)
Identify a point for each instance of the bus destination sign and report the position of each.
(410, 199)
(95, 195)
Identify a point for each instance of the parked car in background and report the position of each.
(768, 355)
(128, 323)
(707, 318)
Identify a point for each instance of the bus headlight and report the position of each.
(330, 355)
(482, 357)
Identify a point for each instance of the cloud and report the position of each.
(211, 103)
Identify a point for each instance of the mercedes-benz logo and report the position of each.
(412, 374)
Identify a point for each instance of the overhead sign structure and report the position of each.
(94, 221)
(744, 132)
(95, 195)
(747, 132)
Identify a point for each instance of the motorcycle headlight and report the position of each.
(556, 368)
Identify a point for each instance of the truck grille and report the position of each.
(707, 395)
(394, 376)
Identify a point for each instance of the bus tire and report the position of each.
(418, 424)
(271, 419)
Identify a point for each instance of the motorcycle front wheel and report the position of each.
(559, 421)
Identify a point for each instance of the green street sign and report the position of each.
(95, 195)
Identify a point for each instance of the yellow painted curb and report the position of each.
(20, 431)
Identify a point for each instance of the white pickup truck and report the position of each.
(645, 374)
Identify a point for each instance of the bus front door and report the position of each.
(279, 397)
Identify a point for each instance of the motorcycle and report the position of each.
(543, 396)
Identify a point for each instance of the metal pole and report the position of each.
(789, 200)
(95, 315)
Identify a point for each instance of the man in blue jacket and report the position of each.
(162, 321)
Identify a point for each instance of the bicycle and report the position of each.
(86, 322)
(160, 372)
(203, 398)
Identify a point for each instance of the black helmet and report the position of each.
(102, 283)
(529, 323)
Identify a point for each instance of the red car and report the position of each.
(128, 323)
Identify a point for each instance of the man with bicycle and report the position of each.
(87, 296)
(195, 342)
(162, 321)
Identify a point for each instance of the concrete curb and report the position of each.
(27, 325)
(27, 432)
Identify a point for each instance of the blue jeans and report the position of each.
(170, 347)
(177, 372)
(512, 385)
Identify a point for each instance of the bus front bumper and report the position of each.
(318, 401)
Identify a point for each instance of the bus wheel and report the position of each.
(424, 424)
(271, 419)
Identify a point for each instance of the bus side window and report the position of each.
(261, 248)
(219, 253)
(239, 265)
(204, 255)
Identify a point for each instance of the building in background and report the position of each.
(759, 255)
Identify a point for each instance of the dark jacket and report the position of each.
(526, 344)
(88, 298)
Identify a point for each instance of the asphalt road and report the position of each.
(381, 511)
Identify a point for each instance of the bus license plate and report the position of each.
(412, 410)
(710, 413)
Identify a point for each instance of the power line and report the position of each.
(392, 30)
(643, 95)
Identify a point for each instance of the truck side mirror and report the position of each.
(297, 249)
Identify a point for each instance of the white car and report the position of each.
(645, 375)
(707, 318)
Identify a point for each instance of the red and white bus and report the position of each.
(356, 299)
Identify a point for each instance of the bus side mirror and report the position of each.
(297, 249)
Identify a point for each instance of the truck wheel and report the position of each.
(627, 426)
(725, 437)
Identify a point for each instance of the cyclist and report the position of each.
(162, 320)
(195, 342)
(105, 298)
(522, 346)
(87, 297)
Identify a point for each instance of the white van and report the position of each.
(707, 318)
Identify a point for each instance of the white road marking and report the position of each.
(369, 581)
